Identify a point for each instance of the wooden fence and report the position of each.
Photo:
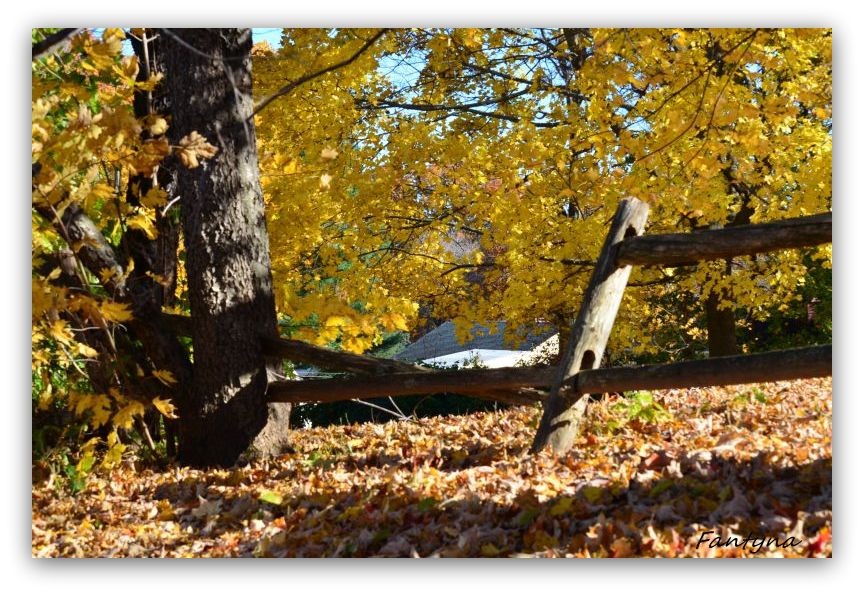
(564, 390)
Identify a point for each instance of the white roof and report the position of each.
(495, 358)
(489, 358)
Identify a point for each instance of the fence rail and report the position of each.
(718, 371)
(711, 244)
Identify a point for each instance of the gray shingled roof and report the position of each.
(442, 341)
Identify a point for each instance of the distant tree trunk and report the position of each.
(721, 327)
(721, 322)
(228, 262)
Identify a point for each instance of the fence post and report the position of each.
(563, 410)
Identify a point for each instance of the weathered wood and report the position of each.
(490, 384)
(713, 244)
(303, 352)
(561, 416)
(719, 371)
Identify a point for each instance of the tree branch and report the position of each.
(306, 78)
(52, 42)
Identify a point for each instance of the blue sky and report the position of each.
(272, 36)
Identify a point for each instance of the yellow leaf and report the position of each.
(98, 405)
(129, 67)
(144, 223)
(60, 332)
(158, 278)
(154, 198)
(394, 321)
(124, 417)
(86, 351)
(115, 312)
(355, 344)
(165, 376)
(106, 274)
(165, 407)
(156, 125)
(338, 321)
(101, 192)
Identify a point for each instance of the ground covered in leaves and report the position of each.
(649, 477)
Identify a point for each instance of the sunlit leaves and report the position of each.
(86, 145)
(155, 125)
(115, 312)
(165, 376)
(362, 198)
(165, 407)
(126, 415)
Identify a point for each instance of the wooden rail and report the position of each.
(718, 371)
(711, 244)
(472, 382)
(771, 366)
(303, 352)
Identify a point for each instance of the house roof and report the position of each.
(442, 341)
(489, 358)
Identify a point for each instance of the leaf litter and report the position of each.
(724, 465)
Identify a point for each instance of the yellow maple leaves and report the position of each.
(86, 145)
(677, 117)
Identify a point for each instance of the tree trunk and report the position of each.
(157, 258)
(721, 327)
(228, 262)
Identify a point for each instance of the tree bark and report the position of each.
(228, 262)
(721, 326)
(157, 258)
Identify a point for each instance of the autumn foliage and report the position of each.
(650, 478)
(520, 144)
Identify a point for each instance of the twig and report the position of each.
(169, 205)
(52, 42)
(400, 415)
(306, 78)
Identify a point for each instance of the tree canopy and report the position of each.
(474, 171)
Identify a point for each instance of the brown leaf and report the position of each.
(192, 147)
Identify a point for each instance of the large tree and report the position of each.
(227, 252)
(207, 166)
